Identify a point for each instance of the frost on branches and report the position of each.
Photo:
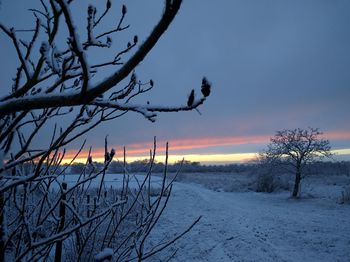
(41, 215)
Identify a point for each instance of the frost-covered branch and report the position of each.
(75, 98)
(53, 80)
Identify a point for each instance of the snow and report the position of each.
(114, 180)
(249, 226)
(106, 253)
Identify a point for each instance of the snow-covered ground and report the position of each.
(110, 180)
(249, 226)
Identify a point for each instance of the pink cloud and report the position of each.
(142, 149)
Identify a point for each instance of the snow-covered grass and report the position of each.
(243, 225)
(313, 186)
(239, 224)
(250, 226)
(113, 180)
(93, 219)
(228, 182)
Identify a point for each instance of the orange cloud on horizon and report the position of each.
(142, 149)
(337, 135)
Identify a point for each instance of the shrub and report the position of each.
(345, 196)
(265, 182)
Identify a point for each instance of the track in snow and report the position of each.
(255, 227)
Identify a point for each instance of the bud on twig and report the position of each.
(133, 77)
(112, 153)
(90, 10)
(108, 4)
(109, 41)
(43, 48)
(124, 10)
(190, 99)
(107, 157)
(206, 86)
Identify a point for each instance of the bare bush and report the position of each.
(55, 80)
(265, 182)
(345, 196)
(78, 220)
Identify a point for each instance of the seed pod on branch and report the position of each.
(108, 4)
(107, 157)
(112, 153)
(109, 41)
(133, 77)
(190, 99)
(206, 86)
(91, 10)
(124, 10)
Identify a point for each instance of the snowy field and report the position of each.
(110, 180)
(249, 226)
(242, 225)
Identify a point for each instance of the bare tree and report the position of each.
(297, 148)
(55, 79)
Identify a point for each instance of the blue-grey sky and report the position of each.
(273, 65)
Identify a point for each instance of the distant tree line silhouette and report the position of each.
(140, 166)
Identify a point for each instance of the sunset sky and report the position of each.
(273, 65)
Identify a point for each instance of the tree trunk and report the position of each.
(297, 181)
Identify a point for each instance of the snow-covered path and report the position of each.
(255, 227)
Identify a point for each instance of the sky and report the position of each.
(273, 65)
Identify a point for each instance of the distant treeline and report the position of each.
(316, 168)
(143, 166)
(332, 168)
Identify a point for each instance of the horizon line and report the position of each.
(219, 159)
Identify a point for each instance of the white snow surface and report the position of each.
(104, 254)
(249, 226)
(114, 180)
